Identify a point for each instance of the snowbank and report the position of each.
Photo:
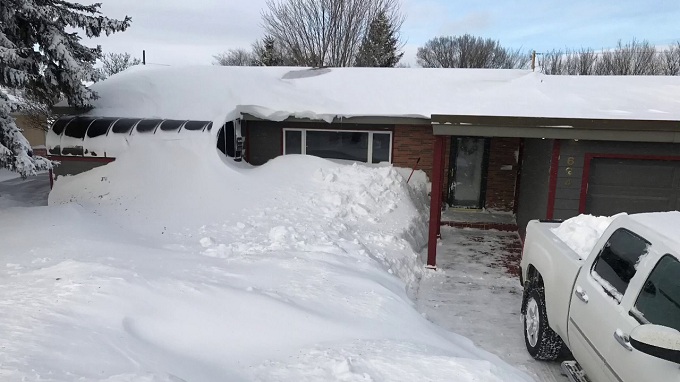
(174, 264)
(582, 232)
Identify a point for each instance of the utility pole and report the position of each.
(533, 61)
(144, 57)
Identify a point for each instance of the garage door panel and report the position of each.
(611, 205)
(620, 173)
(617, 185)
(650, 191)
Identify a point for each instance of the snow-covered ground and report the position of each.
(174, 264)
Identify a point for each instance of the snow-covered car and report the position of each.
(615, 307)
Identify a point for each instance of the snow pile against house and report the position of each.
(582, 232)
(169, 264)
(275, 93)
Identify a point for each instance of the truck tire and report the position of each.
(542, 342)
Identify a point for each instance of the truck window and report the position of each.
(616, 263)
(659, 300)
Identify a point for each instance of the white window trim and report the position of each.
(303, 133)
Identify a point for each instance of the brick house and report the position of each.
(509, 141)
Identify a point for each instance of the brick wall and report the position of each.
(502, 174)
(412, 142)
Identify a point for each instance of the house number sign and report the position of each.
(569, 170)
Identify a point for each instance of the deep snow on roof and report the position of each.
(275, 93)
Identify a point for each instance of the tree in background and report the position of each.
(468, 51)
(670, 60)
(268, 52)
(113, 63)
(235, 57)
(581, 62)
(325, 32)
(44, 61)
(633, 58)
(380, 46)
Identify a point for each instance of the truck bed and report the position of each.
(555, 261)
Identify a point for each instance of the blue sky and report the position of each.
(179, 32)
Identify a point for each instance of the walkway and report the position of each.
(476, 293)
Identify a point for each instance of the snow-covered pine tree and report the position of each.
(40, 58)
(270, 55)
(380, 45)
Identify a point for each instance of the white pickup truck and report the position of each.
(617, 309)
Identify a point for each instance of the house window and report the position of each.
(354, 145)
(293, 140)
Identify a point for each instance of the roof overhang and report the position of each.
(367, 120)
(557, 128)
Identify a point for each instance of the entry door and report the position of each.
(467, 173)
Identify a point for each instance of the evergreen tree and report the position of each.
(270, 55)
(379, 47)
(46, 62)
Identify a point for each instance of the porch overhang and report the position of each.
(631, 130)
(558, 128)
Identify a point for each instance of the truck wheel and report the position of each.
(541, 341)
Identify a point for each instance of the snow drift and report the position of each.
(174, 264)
(582, 232)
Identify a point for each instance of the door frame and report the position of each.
(452, 171)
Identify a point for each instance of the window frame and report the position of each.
(596, 275)
(634, 311)
(303, 140)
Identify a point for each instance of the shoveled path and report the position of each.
(475, 292)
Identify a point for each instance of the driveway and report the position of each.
(475, 292)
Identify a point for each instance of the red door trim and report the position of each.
(587, 160)
(435, 199)
(552, 186)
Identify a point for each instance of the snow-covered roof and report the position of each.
(275, 93)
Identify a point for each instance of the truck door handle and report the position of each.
(623, 340)
(581, 294)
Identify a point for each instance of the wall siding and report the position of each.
(534, 181)
(264, 142)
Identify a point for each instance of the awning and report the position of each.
(558, 128)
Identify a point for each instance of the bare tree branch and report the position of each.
(468, 51)
(325, 32)
(236, 57)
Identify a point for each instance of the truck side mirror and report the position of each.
(658, 341)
